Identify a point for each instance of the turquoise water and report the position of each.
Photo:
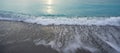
(77, 12)
(62, 7)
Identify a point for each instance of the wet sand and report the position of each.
(15, 31)
(19, 37)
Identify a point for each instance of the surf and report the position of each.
(60, 20)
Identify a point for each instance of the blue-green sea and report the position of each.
(56, 10)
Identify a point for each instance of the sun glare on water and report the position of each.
(49, 9)
(49, 2)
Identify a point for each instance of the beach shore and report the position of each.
(21, 37)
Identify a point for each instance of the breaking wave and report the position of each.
(64, 39)
(58, 20)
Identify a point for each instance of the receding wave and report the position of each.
(58, 20)
(63, 38)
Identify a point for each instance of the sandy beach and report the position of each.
(20, 37)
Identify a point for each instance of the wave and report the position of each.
(58, 20)
(66, 39)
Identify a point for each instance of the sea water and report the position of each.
(62, 11)
(67, 39)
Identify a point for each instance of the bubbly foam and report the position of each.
(69, 21)
(57, 20)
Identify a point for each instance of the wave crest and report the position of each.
(57, 20)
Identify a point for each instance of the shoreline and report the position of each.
(112, 21)
(12, 21)
(22, 37)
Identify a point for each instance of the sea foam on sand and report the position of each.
(69, 20)
(21, 36)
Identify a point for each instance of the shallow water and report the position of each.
(19, 37)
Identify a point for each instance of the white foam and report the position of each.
(70, 21)
(116, 47)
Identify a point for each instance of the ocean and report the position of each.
(69, 12)
(59, 26)
(62, 8)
